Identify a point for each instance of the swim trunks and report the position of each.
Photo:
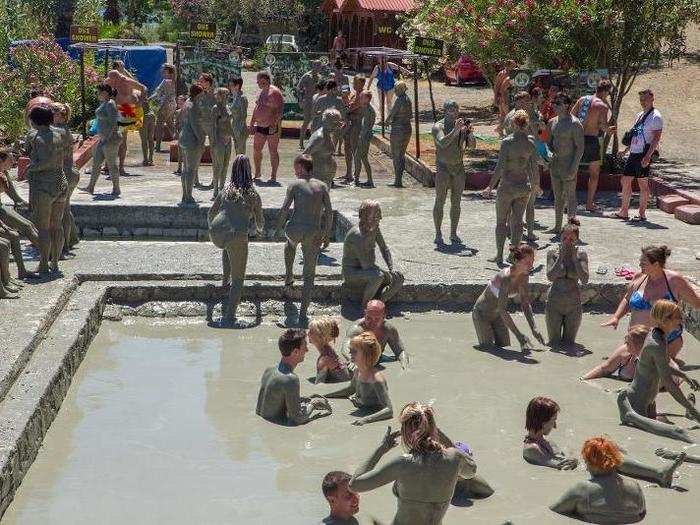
(591, 149)
(266, 130)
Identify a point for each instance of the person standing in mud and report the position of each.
(205, 103)
(501, 85)
(452, 135)
(191, 142)
(361, 154)
(566, 266)
(238, 106)
(279, 398)
(229, 221)
(399, 119)
(386, 333)
(566, 142)
(353, 127)
(321, 147)
(359, 267)
(517, 167)
(164, 95)
(266, 124)
(110, 138)
(592, 112)
(306, 88)
(636, 403)
(309, 225)
(222, 132)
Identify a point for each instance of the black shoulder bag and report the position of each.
(627, 137)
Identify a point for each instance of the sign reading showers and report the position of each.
(84, 34)
(202, 31)
(428, 47)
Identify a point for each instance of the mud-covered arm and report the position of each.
(244, 109)
(568, 502)
(444, 140)
(503, 308)
(392, 113)
(396, 345)
(555, 265)
(384, 250)
(345, 391)
(579, 146)
(321, 375)
(214, 207)
(12, 192)
(387, 412)
(284, 210)
(296, 412)
(500, 166)
(368, 477)
(258, 215)
(666, 373)
(534, 455)
(327, 214)
(581, 266)
(68, 152)
(196, 123)
(527, 307)
(158, 91)
(532, 167)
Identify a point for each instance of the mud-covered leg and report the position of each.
(572, 322)
(290, 251)
(517, 210)
(558, 189)
(502, 216)
(441, 187)
(238, 257)
(555, 322)
(56, 229)
(483, 328)
(226, 264)
(501, 332)
(631, 418)
(662, 476)
(310, 250)
(457, 182)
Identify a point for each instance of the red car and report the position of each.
(463, 71)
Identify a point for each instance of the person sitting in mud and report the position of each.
(279, 399)
(229, 221)
(490, 315)
(343, 502)
(636, 403)
(310, 225)
(386, 333)
(541, 419)
(655, 282)
(566, 266)
(425, 476)
(359, 267)
(623, 361)
(368, 388)
(606, 497)
(330, 368)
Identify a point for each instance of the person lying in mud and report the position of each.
(622, 364)
(541, 419)
(368, 388)
(343, 502)
(330, 368)
(490, 315)
(386, 333)
(279, 399)
(636, 403)
(425, 477)
(566, 266)
(606, 497)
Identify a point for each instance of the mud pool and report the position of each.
(159, 427)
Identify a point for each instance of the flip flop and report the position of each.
(638, 218)
(618, 216)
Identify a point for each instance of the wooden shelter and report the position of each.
(366, 23)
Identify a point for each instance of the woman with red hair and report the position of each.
(606, 497)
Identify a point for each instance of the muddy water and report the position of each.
(159, 427)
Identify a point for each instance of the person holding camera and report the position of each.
(642, 142)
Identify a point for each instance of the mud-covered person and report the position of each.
(279, 398)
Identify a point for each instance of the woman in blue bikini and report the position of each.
(385, 73)
(653, 283)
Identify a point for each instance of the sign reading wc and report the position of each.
(428, 47)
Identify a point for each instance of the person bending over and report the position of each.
(279, 400)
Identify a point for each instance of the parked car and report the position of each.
(463, 70)
(282, 43)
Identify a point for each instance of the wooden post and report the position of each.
(82, 92)
(177, 69)
(415, 105)
(430, 91)
(381, 107)
(106, 60)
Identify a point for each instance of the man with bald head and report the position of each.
(386, 333)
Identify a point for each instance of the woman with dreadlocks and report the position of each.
(229, 220)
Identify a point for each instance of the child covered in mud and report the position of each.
(368, 389)
(541, 419)
(330, 368)
(623, 361)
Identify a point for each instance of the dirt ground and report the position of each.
(677, 97)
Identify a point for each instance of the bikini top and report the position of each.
(637, 301)
(495, 289)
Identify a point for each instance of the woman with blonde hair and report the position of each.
(623, 361)
(229, 220)
(606, 497)
(636, 403)
(330, 368)
(368, 389)
(425, 477)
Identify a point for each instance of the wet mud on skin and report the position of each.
(159, 427)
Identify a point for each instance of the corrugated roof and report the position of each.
(386, 5)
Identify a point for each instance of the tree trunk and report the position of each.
(65, 10)
(112, 13)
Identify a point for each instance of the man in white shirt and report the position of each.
(646, 135)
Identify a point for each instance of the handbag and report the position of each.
(627, 137)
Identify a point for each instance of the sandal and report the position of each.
(616, 215)
(638, 218)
